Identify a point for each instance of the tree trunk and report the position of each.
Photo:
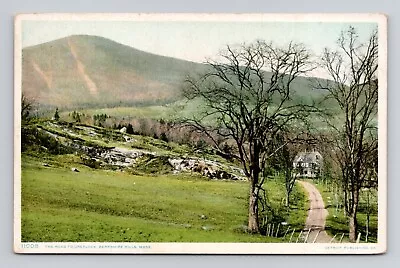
(289, 183)
(287, 198)
(367, 229)
(253, 225)
(353, 220)
(353, 227)
(253, 210)
(368, 215)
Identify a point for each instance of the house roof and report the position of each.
(308, 157)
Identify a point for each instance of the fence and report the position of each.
(302, 235)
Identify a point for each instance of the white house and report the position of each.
(308, 164)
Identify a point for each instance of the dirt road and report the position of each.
(316, 215)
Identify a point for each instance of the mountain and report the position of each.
(83, 71)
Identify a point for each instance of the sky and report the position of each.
(194, 40)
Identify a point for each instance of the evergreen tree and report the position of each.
(56, 115)
(164, 137)
(129, 129)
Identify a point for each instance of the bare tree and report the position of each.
(353, 69)
(26, 108)
(290, 145)
(247, 99)
(286, 157)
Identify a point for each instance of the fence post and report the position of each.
(341, 238)
(315, 238)
(294, 229)
(308, 233)
(277, 230)
(287, 230)
(333, 238)
(297, 240)
(272, 229)
(358, 238)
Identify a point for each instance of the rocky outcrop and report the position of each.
(122, 157)
(98, 156)
(119, 157)
(210, 169)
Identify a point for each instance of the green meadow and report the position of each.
(103, 205)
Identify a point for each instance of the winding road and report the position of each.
(316, 215)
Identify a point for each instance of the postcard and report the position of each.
(200, 133)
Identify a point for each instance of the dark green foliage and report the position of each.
(226, 148)
(227, 152)
(28, 134)
(35, 139)
(59, 133)
(26, 109)
(164, 137)
(56, 115)
(90, 162)
(153, 165)
(129, 129)
(201, 145)
(76, 116)
(100, 119)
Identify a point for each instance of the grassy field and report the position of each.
(143, 202)
(337, 222)
(102, 205)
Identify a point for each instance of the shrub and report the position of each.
(164, 137)
(56, 115)
(90, 162)
(129, 129)
(36, 139)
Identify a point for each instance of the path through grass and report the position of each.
(337, 222)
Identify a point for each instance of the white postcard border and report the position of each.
(207, 248)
